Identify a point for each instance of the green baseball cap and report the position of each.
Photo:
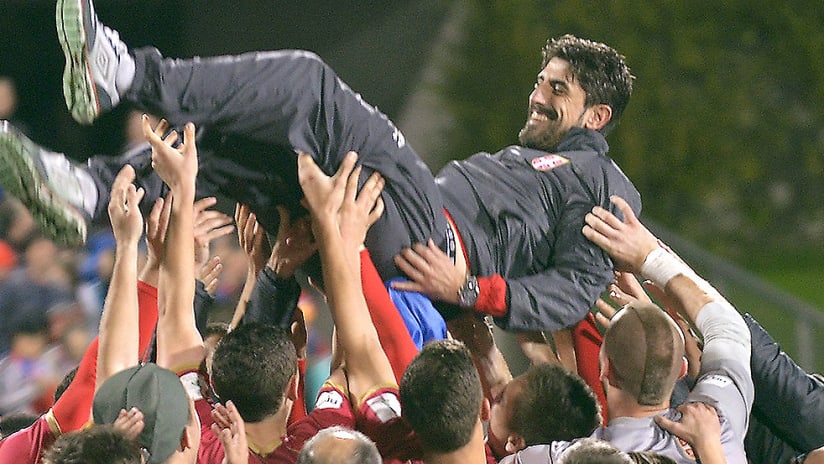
(158, 394)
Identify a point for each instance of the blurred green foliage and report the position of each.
(724, 133)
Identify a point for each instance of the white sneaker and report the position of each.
(60, 196)
(99, 68)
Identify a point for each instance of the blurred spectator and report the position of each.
(27, 379)
(8, 260)
(66, 354)
(30, 291)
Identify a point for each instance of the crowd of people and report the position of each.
(539, 238)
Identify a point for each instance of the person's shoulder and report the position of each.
(27, 445)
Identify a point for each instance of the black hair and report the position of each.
(252, 367)
(441, 396)
(599, 69)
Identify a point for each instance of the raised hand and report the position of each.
(293, 245)
(323, 194)
(209, 274)
(360, 210)
(176, 166)
(129, 422)
(210, 224)
(156, 226)
(231, 431)
(628, 241)
(431, 271)
(251, 238)
(125, 216)
(335, 203)
(699, 426)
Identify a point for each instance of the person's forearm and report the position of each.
(711, 453)
(150, 272)
(243, 300)
(345, 295)
(273, 300)
(118, 344)
(178, 341)
(726, 336)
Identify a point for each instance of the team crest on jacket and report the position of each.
(686, 448)
(547, 162)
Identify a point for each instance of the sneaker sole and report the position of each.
(58, 219)
(79, 88)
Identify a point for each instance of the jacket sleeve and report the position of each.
(561, 295)
(273, 300)
(725, 379)
(787, 399)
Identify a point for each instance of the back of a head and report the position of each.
(12, 423)
(645, 350)
(593, 451)
(101, 444)
(441, 396)
(158, 394)
(554, 405)
(339, 445)
(648, 457)
(599, 69)
(252, 367)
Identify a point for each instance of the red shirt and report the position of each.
(26, 446)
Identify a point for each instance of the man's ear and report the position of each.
(606, 376)
(514, 443)
(485, 409)
(597, 116)
(684, 367)
(292, 388)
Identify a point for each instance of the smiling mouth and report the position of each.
(537, 115)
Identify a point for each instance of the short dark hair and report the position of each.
(252, 367)
(320, 450)
(593, 451)
(599, 69)
(554, 405)
(645, 350)
(101, 444)
(441, 396)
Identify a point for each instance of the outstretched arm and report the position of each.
(119, 339)
(554, 298)
(726, 337)
(179, 343)
(340, 219)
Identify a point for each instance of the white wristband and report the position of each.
(660, 266)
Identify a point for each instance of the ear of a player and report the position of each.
(598, 116)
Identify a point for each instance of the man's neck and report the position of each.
(265, 436)
(473, 452)
(620, 404)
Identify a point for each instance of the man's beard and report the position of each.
(541, 138)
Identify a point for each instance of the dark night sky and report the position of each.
(377, 46)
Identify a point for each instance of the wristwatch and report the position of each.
(469, 292)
